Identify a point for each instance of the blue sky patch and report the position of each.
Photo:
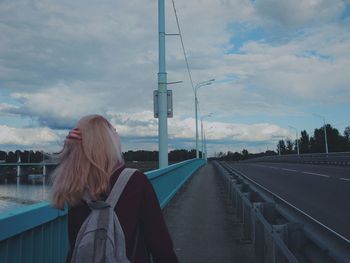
(314, 53)
(346, 12)
(242, 34)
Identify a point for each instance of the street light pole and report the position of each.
(324, 130)
(296, 137)
(279, 147)
(162, 90)
(201, 84)
(202, 131)
(205, 148)
(325, 134)
(202, 137)
(196, 110)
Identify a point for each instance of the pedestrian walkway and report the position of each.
(203, 225)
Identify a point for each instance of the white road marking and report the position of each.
(344, 179)
(276, 168)
(322, 175)
(290, 170)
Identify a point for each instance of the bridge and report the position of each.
(256, 211)
(42, 166)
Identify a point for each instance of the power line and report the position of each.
(183, 46)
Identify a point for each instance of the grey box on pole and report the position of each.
(155, 103)
(169, 103)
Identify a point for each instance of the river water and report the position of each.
(14, 195)
(25, 190)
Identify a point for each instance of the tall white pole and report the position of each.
(201, 84)
(296, 137)
(324, 130)
(196, 110)
(279, 147)
(162, 90)
(205, 148)
(202, 138)
(325, 134)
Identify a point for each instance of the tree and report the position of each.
(11, 157)
(3, 156)
(347, 137)
(181, 155)
(289, 147)
(245, 154)
(269, 153)
(317, 144)
(347, 134)
(281, 147)
(336, 142)
(304, 143)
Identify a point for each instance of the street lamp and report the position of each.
(324, 129)
(279, 148)
(201, 84)
(296, 137)
(205, 143)
(202, 131)
(205, 148)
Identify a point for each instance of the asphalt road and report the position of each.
(321, 191)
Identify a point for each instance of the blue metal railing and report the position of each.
(38, 233)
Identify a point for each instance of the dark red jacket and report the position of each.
(138, 204)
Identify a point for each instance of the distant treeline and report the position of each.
(307, 144)
(236, 156)
(316, 144)
(37, 156)
(25, 156)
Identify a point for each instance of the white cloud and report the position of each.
(27, 136)
(85, 57)
(299, 13)
(6, 107)
(59, 106)
(143, 124)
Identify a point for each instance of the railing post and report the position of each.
(280, 231)
(239, 202)
(247, 222)
(258, 235)
(233, 183)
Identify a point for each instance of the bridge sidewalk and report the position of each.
(202, 224)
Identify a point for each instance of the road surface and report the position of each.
(321, 191)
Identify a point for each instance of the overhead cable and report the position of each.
(183, 46)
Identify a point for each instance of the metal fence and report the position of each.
(279, 231)
(38, 233)
(341, 158)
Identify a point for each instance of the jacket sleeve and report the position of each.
(156, 233)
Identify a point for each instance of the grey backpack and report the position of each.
(101, 237)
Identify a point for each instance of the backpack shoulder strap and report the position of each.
(119, 186)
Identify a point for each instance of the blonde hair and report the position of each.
(86, 164)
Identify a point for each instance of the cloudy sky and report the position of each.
(276, 63)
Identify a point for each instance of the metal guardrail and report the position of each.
(38, 233)
(340, 158)
(279, 231)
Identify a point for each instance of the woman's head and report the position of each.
(90, 154)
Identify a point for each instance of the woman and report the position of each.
(91, 161)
